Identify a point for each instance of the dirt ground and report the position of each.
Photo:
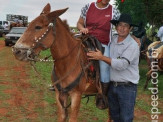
(19, 100)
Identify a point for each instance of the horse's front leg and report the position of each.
(62, 111)
(75, 106)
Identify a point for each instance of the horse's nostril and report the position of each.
(17, 52)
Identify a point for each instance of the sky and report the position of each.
(32, 8)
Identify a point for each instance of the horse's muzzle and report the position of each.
(22, 54)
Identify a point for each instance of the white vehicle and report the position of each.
(5, 24)
(14, 34)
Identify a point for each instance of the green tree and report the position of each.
(150, 12)
(154, 12)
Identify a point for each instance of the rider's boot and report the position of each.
(102, 100)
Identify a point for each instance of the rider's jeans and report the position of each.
(104, 67)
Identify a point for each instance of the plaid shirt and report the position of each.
(125, 59)
(116, 13)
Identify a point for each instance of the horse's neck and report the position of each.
(65, 51)
(64, 42)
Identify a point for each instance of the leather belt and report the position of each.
(120, 83)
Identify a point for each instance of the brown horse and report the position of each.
(48, 31)
(155, 63)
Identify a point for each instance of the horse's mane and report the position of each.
(66, 25)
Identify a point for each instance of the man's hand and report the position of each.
(95, 55)
(137, 40)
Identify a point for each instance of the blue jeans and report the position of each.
(104, 67)
(122, 101)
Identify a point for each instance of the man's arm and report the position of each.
(137, 40)
(119, 63)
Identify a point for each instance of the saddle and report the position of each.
(91, 43)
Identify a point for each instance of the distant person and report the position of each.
(158, 45)
(160, 33)
(6, 26)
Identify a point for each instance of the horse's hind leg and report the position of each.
(62, 112)
(75, 106)
(148, 78)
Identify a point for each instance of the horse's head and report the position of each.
(139, 31)
(39, 35)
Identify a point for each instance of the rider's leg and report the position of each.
(104, 78)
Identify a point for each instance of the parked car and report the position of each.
(14, 34)
(1, 30)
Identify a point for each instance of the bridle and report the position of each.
(39, 42)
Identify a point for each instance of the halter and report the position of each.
(38, 42)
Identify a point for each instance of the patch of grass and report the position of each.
(88, 112)
(143, 105)
(50, 99)
(3, 119)
(41, 84)
(143, 69)
(44, 68)
(2, 38)
(160, 85)
(2, 94)
(91, 113)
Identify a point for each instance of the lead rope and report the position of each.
(34, 68)
(41, 79)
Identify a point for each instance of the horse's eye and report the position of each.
(38, 27)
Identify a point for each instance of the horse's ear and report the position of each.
(51, 16)
(46, 9)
